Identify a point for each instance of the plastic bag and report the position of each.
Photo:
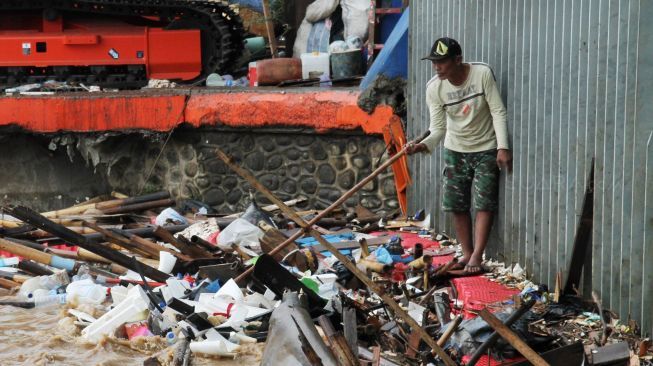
(320, 9)
(243, 233)
(355, 16)
(169, 215)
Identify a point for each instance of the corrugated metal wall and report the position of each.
(575, 76)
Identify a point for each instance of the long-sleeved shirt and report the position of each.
(471, 117)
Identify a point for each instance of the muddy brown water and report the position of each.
(47, 336)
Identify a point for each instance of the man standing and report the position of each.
(466, 109)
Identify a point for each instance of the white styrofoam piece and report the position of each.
(133, 308)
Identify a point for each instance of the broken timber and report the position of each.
(512, 338)
(292, 214)
(388, 300)
(37, 220)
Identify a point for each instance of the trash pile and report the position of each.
(328, 287)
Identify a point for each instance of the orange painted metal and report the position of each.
(166, 54)
(395, 139)
(164, 110)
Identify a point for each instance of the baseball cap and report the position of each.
(444, 48)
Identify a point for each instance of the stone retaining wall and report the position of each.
(290, 163)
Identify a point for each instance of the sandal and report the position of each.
(474, 269)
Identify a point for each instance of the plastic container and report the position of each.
(29, 286)
(347, 64)
(255, 46)
(167, 262)
(251, 75)
(87, 292)
(315, 64)
(274, 71)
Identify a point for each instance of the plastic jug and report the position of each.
(86, 291)
(315, 65)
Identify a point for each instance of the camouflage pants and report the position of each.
(466, 171)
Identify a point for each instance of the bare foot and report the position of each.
(474, 265)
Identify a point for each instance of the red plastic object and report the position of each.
(137, 329)
(489, 361)
(166, 54)
(477, 292)
(188, 278)
(399, 272)
(213, 238)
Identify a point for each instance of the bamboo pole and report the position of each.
(37, 256)
(35, 219)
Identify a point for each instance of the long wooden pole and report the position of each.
(318, 217)
(388, 300)
(269, 26)
(512, 338)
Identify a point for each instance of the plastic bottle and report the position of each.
(44, 300)
(171, 338)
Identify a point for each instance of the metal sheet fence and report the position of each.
(575, 76)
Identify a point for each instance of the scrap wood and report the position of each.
(272, 238)
(106, 205)
(490, 341)
(272, 208)
(450, 330)
(337, 343)
(307, 348)
(37, 220)
(122, 241)
(293, 215)
(512, 338)
(165, 235)
(398, 310)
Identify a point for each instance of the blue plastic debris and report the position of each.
(331, 238)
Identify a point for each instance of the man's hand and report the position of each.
(413, 147)
(504, 160)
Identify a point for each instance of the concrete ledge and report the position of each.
(162, 110)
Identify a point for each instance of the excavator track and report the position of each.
(221, 38)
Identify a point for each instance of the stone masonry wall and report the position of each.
(290, 163)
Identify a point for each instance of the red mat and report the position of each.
(477, 292)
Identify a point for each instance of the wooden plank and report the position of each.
(271, 208)
(337, 343)
(512, 338)
(388, 300)
(350, 329)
